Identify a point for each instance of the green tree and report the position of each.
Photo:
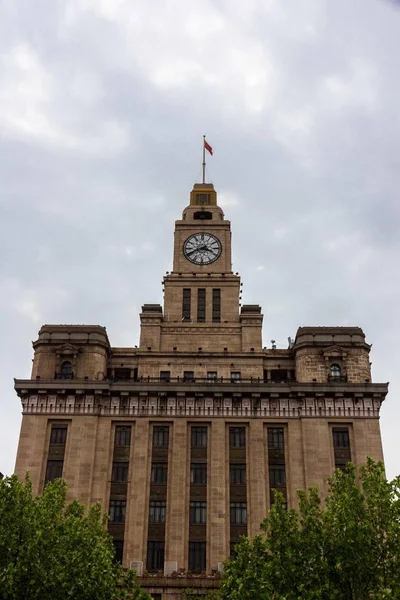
(349, 550)
(51, 550)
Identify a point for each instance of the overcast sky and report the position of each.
(103, 104)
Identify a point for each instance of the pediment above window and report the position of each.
(67, 350)
(334, 352)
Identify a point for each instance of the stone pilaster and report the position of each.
(218, 500)
(256, 470)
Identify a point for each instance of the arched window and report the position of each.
(202, 215)
(336, 371)
(66, 370)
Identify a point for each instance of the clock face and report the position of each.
(202, 248)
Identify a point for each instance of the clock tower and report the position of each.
(202, 294)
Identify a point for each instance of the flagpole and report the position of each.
(204, 158)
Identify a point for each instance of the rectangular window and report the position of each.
(157, 511)
(197, 556)
(277, 476)
(216, 306)
(275, 438)
(117, 511)
(119, 550)
(54, 470)
(203, 198)
(198, 512)
(341, 438)
(58, 434)
(238, 513)
(119, 472)
(122, 436)
(165, 376)
(237, 437)
(161, 436)
(212, 375)
(188, 375)
(186, 305)
(232, 547)
(199, 437)
(237, 474)
(198, 473)
(201, 305)
(159, 473)
(155, 556)
(235, 376)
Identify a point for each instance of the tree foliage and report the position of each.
(349, 550)
(51, 550)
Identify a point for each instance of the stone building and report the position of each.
(183, 438)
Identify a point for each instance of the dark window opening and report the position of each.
(237, 437)
(119, 550)
(341, 438)
(237, 474)
(335, 371)
(279, 375)
(186, 305)
(122, 374)
(232, 547)
(216, 306)
(201, 305)
(202, 215)
(198, 512)
(188, 375)
(117, 511)
(198, 473)
(122, 436)
(238, 513)
(212, 375)
(197, 556)
(275, 438)
(161, 436)
(119, 472)
(203, 198)
(199, 437)
(58, 435)
(66, 370)
(165, 376)
(54, 470)
(155, 556)
(277, 476)
(157, 511)
(159, 473)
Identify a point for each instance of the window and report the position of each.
(238, 513)
(341, 438)
(335, 371)
(197, 556)
(237, 437)
(198, 512)
(275, 438)
(119, 550)
(165, 376)
(161, 436)
(186, 302)
(203, 198)
(198, 473)
(216, 306)
(201, 305)
(199, 437)
(157, 511)
(235, 376)
(277, 476)
(122, 374)
(159, 473)
(155, 556)
(122, 436)
(232, 547)
(202, 215)
(117, 511)
(188, 375)
(58, 434)
(212, 375)
(54, 470)
(119, 472)
(66, 370)
(237, 474)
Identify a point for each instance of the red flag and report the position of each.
(208, 147)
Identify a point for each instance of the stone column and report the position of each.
(178, 493)
(256, 474)
(218, 490)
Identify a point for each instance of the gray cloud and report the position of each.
(102, 108)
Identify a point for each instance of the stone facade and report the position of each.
(183, 438)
